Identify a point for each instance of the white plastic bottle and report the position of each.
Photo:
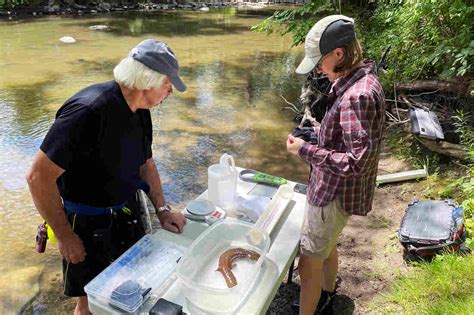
(222, 182)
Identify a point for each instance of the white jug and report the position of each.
(222, 182)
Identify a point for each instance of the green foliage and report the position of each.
(444, 286)
(463, 127)
(15, 4)
(296, 21)
(460, 189)
(431, 38)
(11, 4)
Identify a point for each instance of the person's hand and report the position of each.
(172, 221)
(294, 144)
(317, 128)
(71, 248)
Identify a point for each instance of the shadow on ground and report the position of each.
(288, 294)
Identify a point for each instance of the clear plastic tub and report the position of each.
(204, 287)
(135, 275)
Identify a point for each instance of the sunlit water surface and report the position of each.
(235, 78)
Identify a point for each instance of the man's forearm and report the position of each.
(48, 202)
(150, 175)
(170, 221)
(42, 183)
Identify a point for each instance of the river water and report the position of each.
(234, 76)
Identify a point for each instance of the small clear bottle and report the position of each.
(458, 217)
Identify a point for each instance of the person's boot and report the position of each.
(325, 301)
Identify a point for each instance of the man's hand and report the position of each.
(71, 248)
(41, 180)
(172, 221)
(294, 144)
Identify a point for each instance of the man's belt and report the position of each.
(78, 208)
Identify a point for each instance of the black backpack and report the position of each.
(430, 227)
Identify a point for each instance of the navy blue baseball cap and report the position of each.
(159, 57)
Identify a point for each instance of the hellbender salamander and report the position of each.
(226, 259)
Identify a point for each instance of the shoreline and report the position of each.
(76, 10)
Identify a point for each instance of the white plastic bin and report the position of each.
(205, 289)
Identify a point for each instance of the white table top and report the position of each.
(284, 237)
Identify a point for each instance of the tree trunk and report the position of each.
(458, 88)
(457, 151)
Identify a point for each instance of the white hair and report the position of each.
(135, 75)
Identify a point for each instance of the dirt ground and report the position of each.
(369, 255)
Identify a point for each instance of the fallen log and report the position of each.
(457, 151)
(458, 88)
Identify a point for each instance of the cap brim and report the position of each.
(307, 64)
(178, 83)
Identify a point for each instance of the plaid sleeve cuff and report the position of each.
(306, 151)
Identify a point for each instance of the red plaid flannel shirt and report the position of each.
(344, 163)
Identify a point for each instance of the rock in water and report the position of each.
(67, 39)
(98, 27)
(104, 7)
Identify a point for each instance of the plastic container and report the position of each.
(275, 209)
(222, 182)
(127, 282)
(458, 217)
(205, 289)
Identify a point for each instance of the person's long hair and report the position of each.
(352, 57)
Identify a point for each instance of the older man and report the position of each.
(97, 153)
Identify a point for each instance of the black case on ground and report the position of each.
(428, 228)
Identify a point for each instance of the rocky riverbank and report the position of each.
(72, 8)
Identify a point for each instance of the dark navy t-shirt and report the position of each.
(101, 144)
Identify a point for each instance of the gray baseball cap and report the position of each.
(326, 35)
(159, 57)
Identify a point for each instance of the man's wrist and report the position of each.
(163, 209)
(64, 236)
(62, 230)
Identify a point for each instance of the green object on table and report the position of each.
(262, 178)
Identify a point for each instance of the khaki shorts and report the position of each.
(321, 228)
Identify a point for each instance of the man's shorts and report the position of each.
(105, 238)
(321, 228)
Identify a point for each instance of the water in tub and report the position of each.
(242, 269)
